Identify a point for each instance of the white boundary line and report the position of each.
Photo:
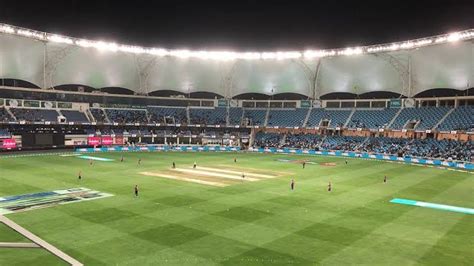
(40, 242)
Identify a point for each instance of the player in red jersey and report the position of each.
(136, 190)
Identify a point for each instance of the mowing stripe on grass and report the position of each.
(95, 158)
(433, 205)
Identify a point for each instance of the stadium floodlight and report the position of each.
(281, 55)
(309, 54)
(230, 55)
(158, 52)
(423, 42)
(59, 39)
(30, 33)
(84, 43)
(180, 53)
(454, 37)
(351, 51)
(249, 56)
(104, 46)
(7, 29)
(131, 49)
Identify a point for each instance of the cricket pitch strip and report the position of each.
(219, 177)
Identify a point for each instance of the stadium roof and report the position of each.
(407, 68)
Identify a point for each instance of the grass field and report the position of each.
(176, 222)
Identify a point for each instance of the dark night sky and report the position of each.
(242, 24)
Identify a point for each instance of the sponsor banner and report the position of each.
(93, 141)
(160, 148)
(9, 144)
(365, 155)
(107, 140)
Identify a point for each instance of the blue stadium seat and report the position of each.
(462, 118)
(126, 115)
(75, 116)
(428, 117)
(159, 115)
(35, 115)
(372, 118)
(235, 116)
(255, 116)
(209, 116)
(287, 118)
(337, 118)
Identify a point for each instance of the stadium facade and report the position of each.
(335, 99)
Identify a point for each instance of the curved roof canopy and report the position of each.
(403, 68)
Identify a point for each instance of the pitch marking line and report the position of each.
(206, 173)
(235, 172)
(199, 181)
(40, 242)
(96, 158)
(433, 205)
(18, 245)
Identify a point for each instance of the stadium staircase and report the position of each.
(89, 115)
(188, 116)
(349, 118)
(106, 116)
(11, 113)
(227, 116)
(394, 118)
(242, 117)
(443, 118)
(322, 141)
(147, 115)
(267, 115)
(362, 143)
(307, 117)
(60, 113)
(283, 139)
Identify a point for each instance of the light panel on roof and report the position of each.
(231, 55)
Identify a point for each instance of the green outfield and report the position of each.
(240, 213)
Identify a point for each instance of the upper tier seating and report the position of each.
(4, 115)
(256, 117)
(75, 116)
(235, 115)
(126, 115)
(213, 116)
(372, 118)
(462, 118)
(167, 115)
(287, 118)
(35, 115)
(98, 115)
(337, 117)
(428, 117)
(4, 133)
